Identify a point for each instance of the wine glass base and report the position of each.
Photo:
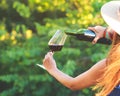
(41, 66)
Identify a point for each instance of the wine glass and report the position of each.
(56, 42)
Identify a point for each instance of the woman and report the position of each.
(105, 74)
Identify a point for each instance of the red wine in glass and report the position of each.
(55, 47)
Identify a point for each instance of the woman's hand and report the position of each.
(99, 31)
(49, 62)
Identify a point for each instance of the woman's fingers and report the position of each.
(49, 56)
(49, 61)
(92, 28)
(97, 37)
(95, 40)
(51, 53)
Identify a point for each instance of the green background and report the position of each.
(25, 29)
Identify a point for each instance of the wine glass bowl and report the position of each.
(57, 41)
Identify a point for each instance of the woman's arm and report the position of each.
(83, 80)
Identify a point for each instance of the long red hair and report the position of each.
(111, 74)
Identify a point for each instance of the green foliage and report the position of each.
(23, 10)
(25, 29)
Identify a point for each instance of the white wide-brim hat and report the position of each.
(111, 14)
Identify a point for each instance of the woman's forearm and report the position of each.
(63, 78)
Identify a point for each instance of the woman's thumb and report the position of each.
(95, 40)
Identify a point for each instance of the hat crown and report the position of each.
(111, 14)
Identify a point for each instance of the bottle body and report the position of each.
(87, 35)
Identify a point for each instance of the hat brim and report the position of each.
(110, 15)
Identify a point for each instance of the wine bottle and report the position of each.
(87, 35)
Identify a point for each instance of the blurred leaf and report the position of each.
(22, 9)
(69, 67)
